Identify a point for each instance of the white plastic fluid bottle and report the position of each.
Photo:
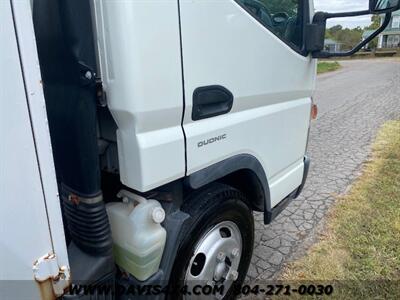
(138, 236)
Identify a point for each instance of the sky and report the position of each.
(344, 5)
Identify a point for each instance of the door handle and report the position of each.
(211, 101)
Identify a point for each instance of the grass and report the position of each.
(360, 250)
(325, 66)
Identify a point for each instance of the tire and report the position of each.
(217, 209)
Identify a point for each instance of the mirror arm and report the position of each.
(325, 54)
(347, 14)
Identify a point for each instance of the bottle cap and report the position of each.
(158, 215)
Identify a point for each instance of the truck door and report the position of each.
(248, 86)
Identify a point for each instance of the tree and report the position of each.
(375, 23)
(347, 37)
(335, 29)
(351, 37)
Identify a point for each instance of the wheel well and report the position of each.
(243, 172)
(247, 182)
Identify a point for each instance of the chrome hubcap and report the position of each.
(216, 259)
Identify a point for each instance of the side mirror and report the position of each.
(383, 6)
(315, 32)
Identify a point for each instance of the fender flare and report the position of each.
(229, 166)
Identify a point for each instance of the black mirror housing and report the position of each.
(383, 6)
(315, 33)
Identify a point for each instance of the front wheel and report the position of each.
(217, 244)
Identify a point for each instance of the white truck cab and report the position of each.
(144, 134)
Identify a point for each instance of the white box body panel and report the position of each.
(30, 214)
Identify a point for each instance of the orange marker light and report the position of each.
(314, 111)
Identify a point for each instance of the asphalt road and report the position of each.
(353, 103)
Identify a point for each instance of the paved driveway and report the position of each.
(353, 103)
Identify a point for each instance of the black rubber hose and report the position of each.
(65, 40)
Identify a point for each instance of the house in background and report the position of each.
(332, 46)
(367, 34)
(390, 38)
